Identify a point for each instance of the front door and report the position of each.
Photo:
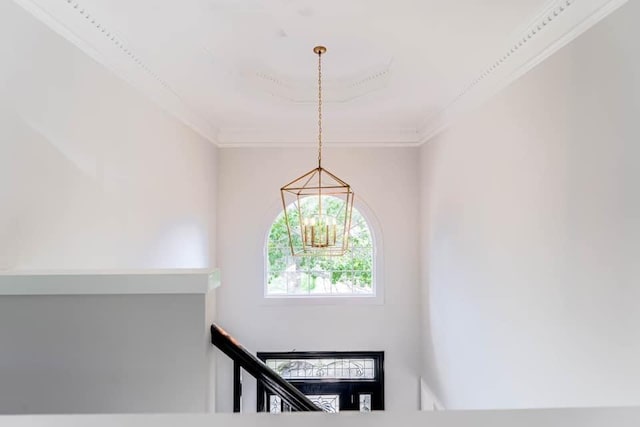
(335, 381)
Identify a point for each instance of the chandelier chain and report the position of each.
(321, 232)
(319, 109)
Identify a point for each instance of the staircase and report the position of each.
(265, 376)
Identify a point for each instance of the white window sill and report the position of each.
(298, 300)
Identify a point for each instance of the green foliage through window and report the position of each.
(351, 274)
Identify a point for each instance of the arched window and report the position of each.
(352, 274)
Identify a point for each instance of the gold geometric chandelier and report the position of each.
(317, 206)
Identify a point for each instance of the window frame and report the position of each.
(377, 277)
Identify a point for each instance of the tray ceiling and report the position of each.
(242, 73)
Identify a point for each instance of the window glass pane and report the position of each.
(351, 274)
(275, 404)
(365, 403)
(326, 402)
(323, 368)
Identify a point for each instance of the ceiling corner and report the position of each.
(557, 24)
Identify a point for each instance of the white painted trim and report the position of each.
(281, 138)
(178, 281)
(582, 417)
(108, 49)
(556, 25)
(552, 27)
(324, 144)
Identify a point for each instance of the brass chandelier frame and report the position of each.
(321, 236)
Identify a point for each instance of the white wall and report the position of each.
(92, 174)
(103, 354)
(95, 176)
(249, 201)
(531, 213)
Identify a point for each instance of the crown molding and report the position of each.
(285, 138)
(556, 25)
(71, 20)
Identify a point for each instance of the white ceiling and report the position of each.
(242, 72)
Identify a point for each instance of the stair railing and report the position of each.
(271, 380)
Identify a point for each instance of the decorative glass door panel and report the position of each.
(308, 369)
(334, 381)
(326, 402)
(365, 403)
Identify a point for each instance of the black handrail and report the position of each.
(254, 366)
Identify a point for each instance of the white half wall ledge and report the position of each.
(134, 282)
(584, 417)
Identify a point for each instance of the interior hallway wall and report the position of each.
(93, 175)
(531, 218)
(66, 354)
(385, 180)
